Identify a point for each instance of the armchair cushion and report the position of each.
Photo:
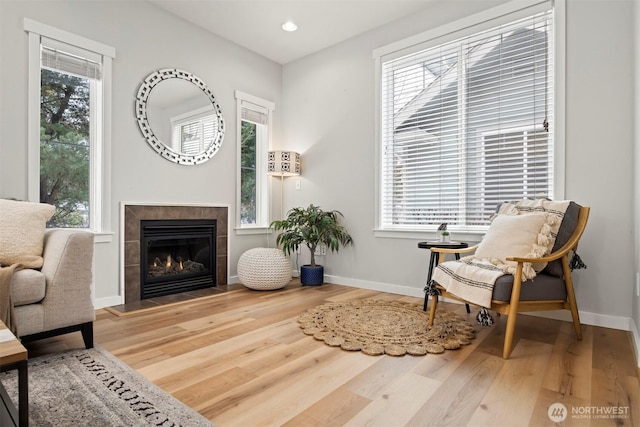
(516, 236)
(27, 287)
(22, 226)
(543, 287)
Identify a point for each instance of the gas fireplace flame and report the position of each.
(169, 261)
(180, 266)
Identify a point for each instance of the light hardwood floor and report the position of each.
(240, 359)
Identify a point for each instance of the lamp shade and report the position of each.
(283, 163)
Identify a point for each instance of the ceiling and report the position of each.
(257, 24)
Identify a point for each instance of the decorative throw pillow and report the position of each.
(22, 226)
(516, 236)
(563, 219)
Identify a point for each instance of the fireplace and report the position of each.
(133, 215)
(176, 256)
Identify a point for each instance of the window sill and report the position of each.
(103, 237)
(240, 231)
(465, 236)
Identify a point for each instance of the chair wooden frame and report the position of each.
(515, 306)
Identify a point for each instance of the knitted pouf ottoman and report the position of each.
(264, 269)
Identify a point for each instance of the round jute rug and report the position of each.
(378, 327)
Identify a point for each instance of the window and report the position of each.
(467, 123)
(70, 79)
(194, 132)
(254, 127)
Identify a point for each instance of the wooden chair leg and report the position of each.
(508, 334)
(571, 297)
(432, 309)
(513, 312)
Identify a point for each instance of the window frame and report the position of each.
(461, 28)
(100, 159)
(263, 142)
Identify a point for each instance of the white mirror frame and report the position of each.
(143, 123)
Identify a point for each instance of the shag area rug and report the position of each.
(378, 327)
(93, 388)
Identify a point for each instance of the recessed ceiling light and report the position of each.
(289, 26)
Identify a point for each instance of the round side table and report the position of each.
(433, 260)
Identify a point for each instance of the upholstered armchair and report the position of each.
(57, 298)
(48, 273)
(530, 274)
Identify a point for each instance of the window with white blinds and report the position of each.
(466, 125)
(254, 132)
(194, 132)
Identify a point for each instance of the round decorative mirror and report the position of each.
(179, 116)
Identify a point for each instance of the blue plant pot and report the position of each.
(312, 276)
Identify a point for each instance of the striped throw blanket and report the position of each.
(472, 278)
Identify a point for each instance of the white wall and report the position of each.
(146, 39)
(329, 117)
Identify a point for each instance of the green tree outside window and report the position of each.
(248, 173)
(64, 147)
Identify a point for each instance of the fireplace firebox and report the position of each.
(177, 255)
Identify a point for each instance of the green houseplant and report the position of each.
(311, 226)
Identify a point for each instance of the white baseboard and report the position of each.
(593, 319)
(107, 302)
(375, 286)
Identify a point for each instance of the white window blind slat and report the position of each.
(254, 113)
(59, 60)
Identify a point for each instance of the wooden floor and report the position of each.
(240, 359)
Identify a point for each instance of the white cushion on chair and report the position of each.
(22, 226)
(264, 269)
(524, 236)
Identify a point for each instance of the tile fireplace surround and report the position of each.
(134, 213)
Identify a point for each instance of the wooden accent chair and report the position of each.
(552, 288)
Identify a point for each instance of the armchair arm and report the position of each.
(572, 243)
(68, 265)
(548, 258)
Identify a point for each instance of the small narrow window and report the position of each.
(254, 123)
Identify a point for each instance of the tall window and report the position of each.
(71, 113)
(254, 120)
(69, 87)
(467, 124)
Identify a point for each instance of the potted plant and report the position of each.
(443, 233)
(311, 226)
